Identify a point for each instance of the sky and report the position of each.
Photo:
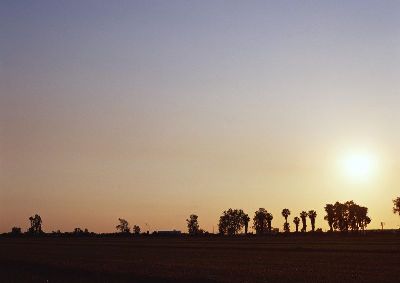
(153, 110)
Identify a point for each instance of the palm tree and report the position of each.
(303, 216)
(296, 222)
(312, 214)
(286, 213)
(396, 205)
(330, 216)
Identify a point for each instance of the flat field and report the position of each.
(303, 258)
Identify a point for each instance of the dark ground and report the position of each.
(309, 258)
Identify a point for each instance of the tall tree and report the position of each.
(341, 217)
(396, 205)
(303, 216)
(286, 213)
(349, 216)
(36, 224)
(231, 222)
(312, 214)
(193, 224)
(352, 215)
(296, 222)
(246, 220)
(260, 223)
(123, 226)
(330, 215)
(362, 218)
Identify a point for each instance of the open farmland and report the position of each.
(308, 258)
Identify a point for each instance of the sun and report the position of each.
(359, 166)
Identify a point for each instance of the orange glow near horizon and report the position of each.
(152, 112)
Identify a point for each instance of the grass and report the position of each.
(308, 258)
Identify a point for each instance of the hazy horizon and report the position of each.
(154, 110)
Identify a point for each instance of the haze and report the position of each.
(153, 110)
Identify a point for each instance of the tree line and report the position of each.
(36, 228)
(343, 217)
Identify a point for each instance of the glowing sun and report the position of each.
(360, 166)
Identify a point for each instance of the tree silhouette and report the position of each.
(231, 222)
(246, 220)
(349, 216)
(296, 222)
(303, 216)
(341, 217)
(312, 214)
(269, 218)
(136, 230)
(353, 211)
(330, 215)
(286, 213)
(36, 224)
(123, 226)
(193, 224)
(357, 216)
(260, 223)
(362, 218)
(396, 205)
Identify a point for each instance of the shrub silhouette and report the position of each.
(15, 231)
(136, 229)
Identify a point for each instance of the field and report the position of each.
(308, 258)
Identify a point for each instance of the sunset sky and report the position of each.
(153, 110)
